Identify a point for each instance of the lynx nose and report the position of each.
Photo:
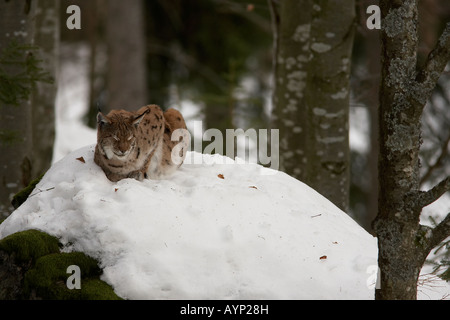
(121, 153)
(123, 148)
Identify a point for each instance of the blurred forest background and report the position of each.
(217, 57)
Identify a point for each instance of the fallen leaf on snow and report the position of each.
(81, 159)
(221, 176)
(323, 257)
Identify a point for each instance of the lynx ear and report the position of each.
(101, 119)
(139, 118)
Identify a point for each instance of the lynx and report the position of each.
(142, 144)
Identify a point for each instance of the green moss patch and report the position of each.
(48, 278)
(23, 195)
(29, 245)
(45, 271)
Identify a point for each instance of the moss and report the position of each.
(47, 279)
(29, 245)
(23, 195)
(37, 256)
(96, 289)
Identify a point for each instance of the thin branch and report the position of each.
(275, 13)
(436, 61)
(438, 162)
(274, 6)
(439, 233)
(430, 196)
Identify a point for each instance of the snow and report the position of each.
(214, 230)
(72, 102)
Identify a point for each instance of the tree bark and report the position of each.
(127, 83)
(402, 242)
(15, 120)
(46, 37)
(313, 46)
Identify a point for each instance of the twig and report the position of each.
(435, 64)
(40, 191)
(439, 233)
(438, 162)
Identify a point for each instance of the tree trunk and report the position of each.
(46, 37)
(15, 120)
(399, 162)
(403, 243)
(314, 41)
(127, 86)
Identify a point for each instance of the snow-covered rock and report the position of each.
(214, 230)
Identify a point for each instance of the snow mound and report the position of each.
(215, 230)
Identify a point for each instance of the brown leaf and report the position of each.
(221, 176)
(323, 257)
(115, 190)
(253, 187)
(81, 159)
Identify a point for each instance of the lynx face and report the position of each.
(117, 134)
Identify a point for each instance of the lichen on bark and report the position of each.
(403, 246)
(311, 98)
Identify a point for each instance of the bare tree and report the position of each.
(28, 46)
(403, 242)
(46, 37)
(15, 105)
(313, 46)
(125, 36)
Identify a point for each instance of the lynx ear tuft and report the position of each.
(138, 119)
(101, 119)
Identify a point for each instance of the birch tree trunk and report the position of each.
(402, 242)
(313, 46)
(15, 119)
